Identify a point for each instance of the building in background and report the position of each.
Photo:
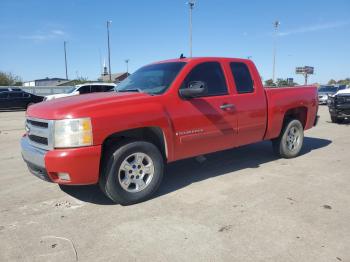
(46, 82)
(116, 78)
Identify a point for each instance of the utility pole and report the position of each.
(127, 66)
(276, 24)
(191, 6)
(109, 51)
(65, 58)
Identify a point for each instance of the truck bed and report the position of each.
(281, 100)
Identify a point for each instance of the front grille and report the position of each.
(38, 139)
(39, 132)
(37, 123)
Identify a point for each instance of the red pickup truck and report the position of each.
(164, 112)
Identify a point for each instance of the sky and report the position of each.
(311, 33)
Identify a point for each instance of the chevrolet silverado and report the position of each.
(164, 112)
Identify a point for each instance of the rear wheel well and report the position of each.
(298, 113)
(153, 135)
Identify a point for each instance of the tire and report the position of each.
(334, 119)
(290, 141)
(132, 172)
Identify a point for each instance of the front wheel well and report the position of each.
(153, 135)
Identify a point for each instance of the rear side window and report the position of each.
(210, 73)
(96, 89)
(242, 77)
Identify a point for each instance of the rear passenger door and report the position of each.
(250, 103)
(208, 123)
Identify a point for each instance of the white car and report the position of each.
(84, 89)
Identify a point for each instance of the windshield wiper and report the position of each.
(131, 90)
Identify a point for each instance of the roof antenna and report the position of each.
(182, 56)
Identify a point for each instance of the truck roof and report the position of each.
(188, 59)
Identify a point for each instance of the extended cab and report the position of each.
(164, 112)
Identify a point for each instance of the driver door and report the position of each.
(208, 123)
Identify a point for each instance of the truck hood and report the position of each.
(83, 105)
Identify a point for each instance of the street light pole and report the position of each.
(65, 58)
(276, 24)
(191, 5)
(109, 52)
(127, 66)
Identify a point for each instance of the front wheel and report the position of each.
(132, 172)
(290, 142)
(335, 119)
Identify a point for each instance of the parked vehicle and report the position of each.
(324, 92)
(164, 112)
(15, 98)
(339, 106)
(84, 89)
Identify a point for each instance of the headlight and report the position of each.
(73, 133)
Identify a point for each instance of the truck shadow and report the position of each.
(186, 172)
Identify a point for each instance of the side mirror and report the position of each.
(194, 89)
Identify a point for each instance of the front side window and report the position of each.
(211, 74)
(242, 77)
(151, 79)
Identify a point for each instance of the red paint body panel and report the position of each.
(256, 116)
(82, 164)
(280, 100)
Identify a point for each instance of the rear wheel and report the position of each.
(290, 142)
(132, 172)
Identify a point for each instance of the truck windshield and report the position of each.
(151, 79)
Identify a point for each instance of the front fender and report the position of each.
(133, 117)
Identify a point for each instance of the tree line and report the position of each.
(345, 81)
(9, 79)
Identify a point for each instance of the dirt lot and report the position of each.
(239, 205)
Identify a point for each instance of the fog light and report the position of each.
(63, 176)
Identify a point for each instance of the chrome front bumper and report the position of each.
(35, 159)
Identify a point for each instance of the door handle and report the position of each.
(227, 106)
